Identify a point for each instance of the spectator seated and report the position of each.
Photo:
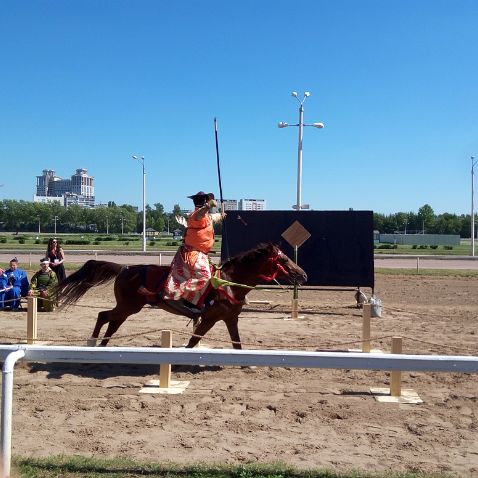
(42, 286)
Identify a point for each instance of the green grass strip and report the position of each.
(76, 466)
(428, 272)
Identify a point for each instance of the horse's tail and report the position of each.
(90, 274)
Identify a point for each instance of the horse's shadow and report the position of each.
(104, 371)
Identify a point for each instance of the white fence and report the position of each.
(9, 354)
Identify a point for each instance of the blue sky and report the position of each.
(86, 84)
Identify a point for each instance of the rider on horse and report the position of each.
(187, 283)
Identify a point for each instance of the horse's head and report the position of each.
(279, 264)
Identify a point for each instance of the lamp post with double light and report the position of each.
(141, 160)
(298, 205)
(472, 217)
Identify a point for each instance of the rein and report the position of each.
(218, 283)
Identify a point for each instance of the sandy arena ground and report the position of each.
(306, 418)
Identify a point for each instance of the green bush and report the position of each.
(152, 243)
(126, 243)
(37, 241)
(21, 240)
(3, 240)
(414, 246)
(434, 247)
(77, 242)
(422, 246)
(448, 248)
(387, 246)
(96, 243)
(113, 237)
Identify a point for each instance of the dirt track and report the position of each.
(302, 417)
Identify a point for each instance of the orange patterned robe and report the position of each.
(190, 268)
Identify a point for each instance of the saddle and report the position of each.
(154, 278)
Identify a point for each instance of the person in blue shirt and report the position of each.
(17, 285)
(3, 286)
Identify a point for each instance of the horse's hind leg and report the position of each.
(113, 326)
(103, 318)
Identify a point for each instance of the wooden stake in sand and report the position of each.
(165, 385)
(165, 368)
(395, 394)
(32, 319)
(396, 375)
(366, 315)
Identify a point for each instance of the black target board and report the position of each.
(338, 252)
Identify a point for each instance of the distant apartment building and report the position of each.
(79, 189)
(252, 204)
(230, 204)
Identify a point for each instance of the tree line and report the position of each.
(25, 216)
(425, 221)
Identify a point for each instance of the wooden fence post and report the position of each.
(366, 315)
(32, 316)
(165, 368)
(396, 375)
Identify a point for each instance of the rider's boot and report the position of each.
(184, 307)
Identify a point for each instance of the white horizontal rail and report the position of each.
(265, 358)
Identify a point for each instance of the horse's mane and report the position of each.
(251, 256)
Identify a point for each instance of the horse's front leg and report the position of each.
(232, 328)
(202, 328)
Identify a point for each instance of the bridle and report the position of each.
(275, 266)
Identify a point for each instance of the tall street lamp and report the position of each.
(56, 219)
(39, 230)
(122, 225)
(298, 205)
(472, 217)
(141, 160)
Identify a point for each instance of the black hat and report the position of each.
(202, 194)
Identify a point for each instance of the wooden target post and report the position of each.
(395, 394)
(366, 335)
(165, 385)
(32, 320)
(165, 368)
(366, 316)
(296, 235)
(396, 375)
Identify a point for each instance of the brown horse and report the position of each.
(259, 265)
